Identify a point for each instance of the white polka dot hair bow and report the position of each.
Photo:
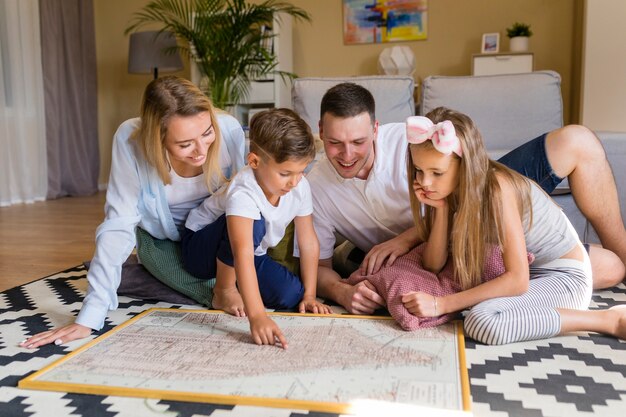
(419, 129)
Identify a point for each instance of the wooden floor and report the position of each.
(43, 238)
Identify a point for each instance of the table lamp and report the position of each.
(149, 52)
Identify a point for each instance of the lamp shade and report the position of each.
(148, 53)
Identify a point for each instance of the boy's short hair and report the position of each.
(281, 134)
(348, 100)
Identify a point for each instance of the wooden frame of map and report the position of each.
(332, 362)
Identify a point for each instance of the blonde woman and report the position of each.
(164, 164)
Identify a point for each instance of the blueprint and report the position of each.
(330, 359)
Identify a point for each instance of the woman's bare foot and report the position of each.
(229, 300)
(620, 324)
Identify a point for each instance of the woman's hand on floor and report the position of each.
(59, 336)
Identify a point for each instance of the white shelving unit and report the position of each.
(270, 92)
(503, 63)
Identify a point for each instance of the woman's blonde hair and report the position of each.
(163, 99)
(476, 216)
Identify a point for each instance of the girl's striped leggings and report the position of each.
(563, 283)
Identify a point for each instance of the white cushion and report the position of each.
(393, 96)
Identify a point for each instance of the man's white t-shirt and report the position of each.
(244, 197)
(366, 212)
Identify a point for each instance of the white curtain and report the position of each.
(23, 166)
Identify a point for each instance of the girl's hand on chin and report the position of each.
(423, 198)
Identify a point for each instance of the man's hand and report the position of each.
(363, 299)
(266, 332)
(57, 336)
(383, 254)
(421, 304)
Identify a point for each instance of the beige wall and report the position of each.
(455, 28)
(119, 93)
(604, 68)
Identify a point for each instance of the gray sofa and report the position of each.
(508, 109)
(393, 95)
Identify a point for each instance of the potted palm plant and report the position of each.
(226, 38)
(519, 34)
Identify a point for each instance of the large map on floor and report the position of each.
(332, 362)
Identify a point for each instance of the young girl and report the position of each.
(463, 204)
(163, 165)
(236, 226)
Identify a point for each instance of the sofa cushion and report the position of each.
(508, 109)
(393, 96)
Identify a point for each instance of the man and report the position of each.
(360, 191)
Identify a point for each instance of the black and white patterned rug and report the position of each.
(578, 375)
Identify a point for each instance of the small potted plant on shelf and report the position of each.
(519, 34)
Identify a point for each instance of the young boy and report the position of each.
(237, 224)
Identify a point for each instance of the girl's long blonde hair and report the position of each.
(476, 216)
(163, 99)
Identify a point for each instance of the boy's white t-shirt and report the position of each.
(244, 197)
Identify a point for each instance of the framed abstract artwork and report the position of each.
(377, 21)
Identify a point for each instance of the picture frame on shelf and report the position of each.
(490, 43)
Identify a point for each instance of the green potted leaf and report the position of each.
(226, 38)
(519, 34)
